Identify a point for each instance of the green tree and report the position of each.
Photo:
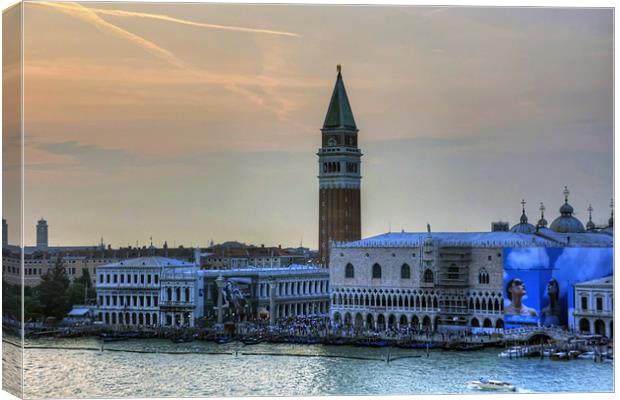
(85, 278)
(33, 309)
(11, 301)
(51, 291)
(75, 294)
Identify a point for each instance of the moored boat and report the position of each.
(252, 340)
(560, 356)
(490, 384)
(223, 339)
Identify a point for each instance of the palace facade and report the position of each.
(441, 280)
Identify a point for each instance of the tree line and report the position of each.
(53, 297)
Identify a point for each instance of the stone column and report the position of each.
(272, 303)
(607, 332)
(220, 299)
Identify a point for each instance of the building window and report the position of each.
(156, 279)
(490, 258)
(101, 278)
(405, 272)
(599, 304)
(376, 271)
(349, 271)
(428, 276)
(483, 277)
(584, 303)
(453, 272)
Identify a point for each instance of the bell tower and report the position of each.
(339, 174)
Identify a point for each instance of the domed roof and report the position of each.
(566, 223)
(523, 226)
(542, 222)
(566, 209)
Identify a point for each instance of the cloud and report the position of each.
(527, 258)
(72, 154)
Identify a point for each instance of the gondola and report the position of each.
(252, 340)
(223, 339)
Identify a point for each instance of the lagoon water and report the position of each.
(147, 368)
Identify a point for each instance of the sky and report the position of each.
(199, 122)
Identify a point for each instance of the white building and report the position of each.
(593, 310)
(129, 291)
(181, 295)
(297, 290)
(425, 280)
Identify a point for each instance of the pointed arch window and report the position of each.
(376, 271)
(429, 276)
(405, 271)
(483, 277)
(349, 271)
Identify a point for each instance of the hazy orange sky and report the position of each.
(192, 122)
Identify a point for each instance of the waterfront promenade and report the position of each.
(311, 330)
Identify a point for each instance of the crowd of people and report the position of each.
(322, 327)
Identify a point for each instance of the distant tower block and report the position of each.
(339, 174)
(5, 233)
(499, 226)
(42, 233)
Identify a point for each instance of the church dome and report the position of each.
(566, 223)
(566, 209)
(542, 222)
(523, 226)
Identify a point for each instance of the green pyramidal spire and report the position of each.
(339, 114)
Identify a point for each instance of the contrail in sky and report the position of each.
(123, 13)
(90, 16)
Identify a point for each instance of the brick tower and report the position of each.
(339, 174)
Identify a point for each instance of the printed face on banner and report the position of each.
(538, 282)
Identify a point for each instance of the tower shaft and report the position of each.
(339, 175)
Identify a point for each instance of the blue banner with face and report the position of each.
(538, 282)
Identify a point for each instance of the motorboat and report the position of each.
(513, 352)
(490, 384)
(560, 356)
(588, 355)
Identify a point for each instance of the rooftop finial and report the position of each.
(566, 193)
(590, 225)
(611, 205)
(339, 68)
(542, 222)
(523, 216)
